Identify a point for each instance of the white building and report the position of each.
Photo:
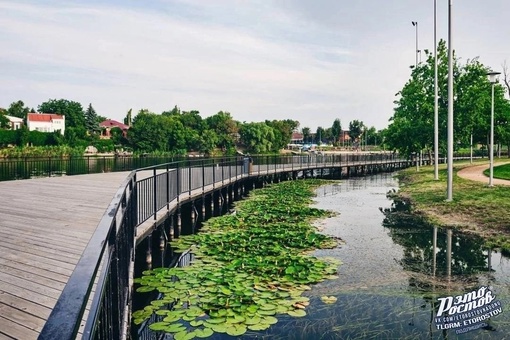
(15, 122)
(46, 122)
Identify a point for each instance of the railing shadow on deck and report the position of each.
(106, 265)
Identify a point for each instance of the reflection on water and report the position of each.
(394, 267)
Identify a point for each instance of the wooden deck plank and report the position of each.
(45, 224)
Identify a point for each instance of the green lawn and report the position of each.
(475, 207)
(501, 171)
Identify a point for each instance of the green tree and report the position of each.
(225, 128)
(282, 131)
(128, 120)
(18, 109)
(4, 121)
(319, 135)
(73, 111)
(306, 134)
(356, 128)
(91, 120)
(257, 137)
(336, 131)
(411, 128)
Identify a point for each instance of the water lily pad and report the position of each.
(171, 317)
(328, 299)
(259, 327)
(184, 335)
(203, 333)
(216, 320)
(159, 326)
(297, 313)
(252, 321)
(270, 320)
(268, 306)
(236, 330)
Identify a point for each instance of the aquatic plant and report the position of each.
(248, 269)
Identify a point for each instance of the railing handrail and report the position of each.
(103, 249)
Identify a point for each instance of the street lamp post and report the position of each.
(415, 24)
(449, 185)
(493, 79)
(436, 104)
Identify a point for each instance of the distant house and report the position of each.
(107, 126)
(15, 122)
(296, 138)
(46, 122)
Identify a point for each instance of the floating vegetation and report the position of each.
(248, 269)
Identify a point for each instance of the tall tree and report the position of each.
(257, 137)
(226, 129)
(128, 120)
(91, 120)
(71, 109)
(18, 109)
(319, 135)
(306, 134)
(282, 131)
(356, 128)
(336, 130)
(412, 125)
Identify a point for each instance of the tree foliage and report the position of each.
(91, 120)
(258, 137)
(71, 109)
(18, 109)
(411, 127)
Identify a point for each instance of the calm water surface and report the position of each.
(389, 282)
(391, 278)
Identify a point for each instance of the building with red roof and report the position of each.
(109, 124)
(46, 122)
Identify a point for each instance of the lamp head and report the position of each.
(414, 23)
(493, 76)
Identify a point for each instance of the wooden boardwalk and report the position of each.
(45, 224)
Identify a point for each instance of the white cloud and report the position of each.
(257, 59)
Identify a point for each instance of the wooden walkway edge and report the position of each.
(45, 224)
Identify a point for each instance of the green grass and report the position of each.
(501, 171)
(475, 207)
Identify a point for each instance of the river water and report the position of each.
(394, 276)
(389, 284)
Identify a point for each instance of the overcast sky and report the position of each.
(311, 61)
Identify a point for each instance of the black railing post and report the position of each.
(167, 187)
(178, 170)
(155, 197)
(189, 181)
(203, 177)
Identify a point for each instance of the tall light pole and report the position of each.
(449, 190)
(493, 79)
(415, 24)
(436, 105)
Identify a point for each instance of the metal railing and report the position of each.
(107, 261)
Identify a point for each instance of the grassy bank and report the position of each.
(475, 208)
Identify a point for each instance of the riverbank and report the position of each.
(476, 207)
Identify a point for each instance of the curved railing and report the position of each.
(106, 265)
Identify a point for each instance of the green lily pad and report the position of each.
(252, 321)
(328, 299)
(298, 313)
(159, 326)
(259, 327)
(196, 323)
(236, 330)
(203, 333)
(184, 335)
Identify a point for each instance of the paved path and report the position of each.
(475, 173)
(45, 224)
